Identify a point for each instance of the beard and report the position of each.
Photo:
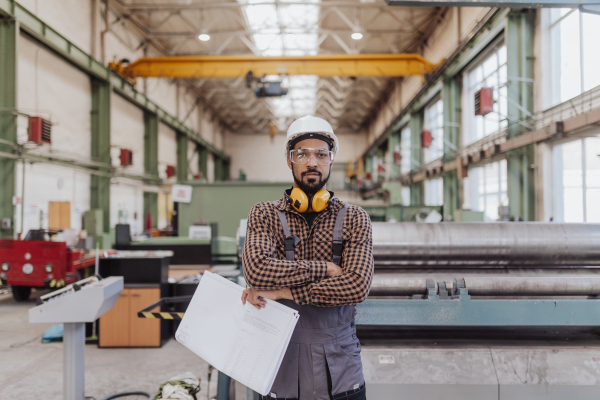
(314, 184)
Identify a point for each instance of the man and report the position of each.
(289, 256)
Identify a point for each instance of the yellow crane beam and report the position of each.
(236, 66)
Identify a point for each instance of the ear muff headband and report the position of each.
(300, 201)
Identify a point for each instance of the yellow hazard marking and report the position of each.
(181, 314)
(148, 315)
(52, 283)
(166, 315)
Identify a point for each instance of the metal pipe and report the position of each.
(503, 244)
(393, 285)
(539, 286)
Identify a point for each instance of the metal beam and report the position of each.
(9, 33)
(451, 95)
(236, 66)
(416, 154)
(50, 38)
(520, 30)
(151, 166)
(478, 313)
(496, 4)
(203, 162)
(100, 150)
(182, 157)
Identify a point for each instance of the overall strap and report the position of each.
(290, 240)
(337, 236)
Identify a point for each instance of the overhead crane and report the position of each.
(239, 66)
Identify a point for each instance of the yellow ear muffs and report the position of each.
(320, 200)
(299, 200)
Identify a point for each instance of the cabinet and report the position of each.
(121, 327)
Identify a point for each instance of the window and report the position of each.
(489, 72)
(434, 123)
(405, 150)
(486, 189)
(434, 192)
(577, 181)
(575, 56)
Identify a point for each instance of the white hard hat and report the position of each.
(310, 124)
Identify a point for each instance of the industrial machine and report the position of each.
(40, 263)
(74, 305)
(483, 310)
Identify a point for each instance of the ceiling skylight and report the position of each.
(291, 30)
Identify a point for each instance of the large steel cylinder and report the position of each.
(502, 244)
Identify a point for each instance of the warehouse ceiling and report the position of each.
(291, 28)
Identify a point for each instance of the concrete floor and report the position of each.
(35, 370)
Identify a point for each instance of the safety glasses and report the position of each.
(302, 156)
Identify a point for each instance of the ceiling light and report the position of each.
(357, 36)
(204, 37)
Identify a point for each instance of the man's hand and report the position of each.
(256, 297)
(333, 270)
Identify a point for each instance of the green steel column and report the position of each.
(203, 161)
(452, 186)
(226, 170)
(151, 165)
(369, 168)
(416, 155)
(9, 34)
(182, 157)
(100, 185)
(393, 142)
(520, 30)
(218, 168)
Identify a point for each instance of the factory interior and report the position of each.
(136, 135)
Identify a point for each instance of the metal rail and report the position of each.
(238, 66)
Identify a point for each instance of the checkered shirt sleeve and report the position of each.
(353, 285)
(265, 266)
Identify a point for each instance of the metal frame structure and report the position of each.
(172, 28)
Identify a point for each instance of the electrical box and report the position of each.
(426, 139)
(170, 171)
(484, 101)
(40, 130)
(126, 157)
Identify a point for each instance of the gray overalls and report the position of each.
(324, 353)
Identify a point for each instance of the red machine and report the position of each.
(42, 264)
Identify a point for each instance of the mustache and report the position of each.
(311, 171)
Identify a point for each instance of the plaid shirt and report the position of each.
(265, 266)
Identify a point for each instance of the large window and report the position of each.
(490, 71)
(434, 192)
(486, 189)
(575, 56)
(434, 123)
(577, 181)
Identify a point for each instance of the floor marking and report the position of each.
(13, 315)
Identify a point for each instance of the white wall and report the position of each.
(51, 88)
(45, 183)
(263, 158)
(70, 18)
(127, 131)
(127, 200)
